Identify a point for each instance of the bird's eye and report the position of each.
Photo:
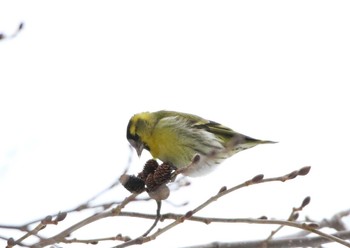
(136, 138)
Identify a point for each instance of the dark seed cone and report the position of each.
(150, 167)
(142, 176)
(150, 183)
(162, 174)
(132, 183)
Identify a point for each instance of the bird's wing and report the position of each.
(215, 128)
(196, 122)
(222, 132)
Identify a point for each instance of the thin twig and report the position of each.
(292, 217)
(14, 34)
(113, 212)
(159, 205)
(39, 227)
(119, 237)
(334, 222)
(25, 227)
(277, 243)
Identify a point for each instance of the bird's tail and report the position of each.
(240, 142)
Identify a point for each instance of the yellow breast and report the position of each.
(168, 147)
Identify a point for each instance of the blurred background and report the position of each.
(76, 73)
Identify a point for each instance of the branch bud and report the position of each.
(305, 202)
(47, 220)
(313, 225)
(189, 214)
(304, 171)
(258, 178)
(223, 188)
(294, 217)
(11, 242)
(61, 216)
(20, 26)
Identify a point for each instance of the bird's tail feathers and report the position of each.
(240, 142)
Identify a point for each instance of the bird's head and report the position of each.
(138, 128)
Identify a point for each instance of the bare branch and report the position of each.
(14, 34)
(223, 191)
(62, 235)
(292, 217)
(278, 243)
(119, 237)
(178, 219)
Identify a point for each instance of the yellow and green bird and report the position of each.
(186, 141)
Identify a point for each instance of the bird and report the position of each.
(185, 141)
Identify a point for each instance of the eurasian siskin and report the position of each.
(186, 141)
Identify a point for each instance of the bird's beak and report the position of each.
(139, 147)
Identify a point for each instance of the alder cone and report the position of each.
(132, 183)
(162, 174)
(149, 167)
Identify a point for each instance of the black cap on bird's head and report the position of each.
(138, 126)
(133, 138)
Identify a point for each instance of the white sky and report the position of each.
(70, 81)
